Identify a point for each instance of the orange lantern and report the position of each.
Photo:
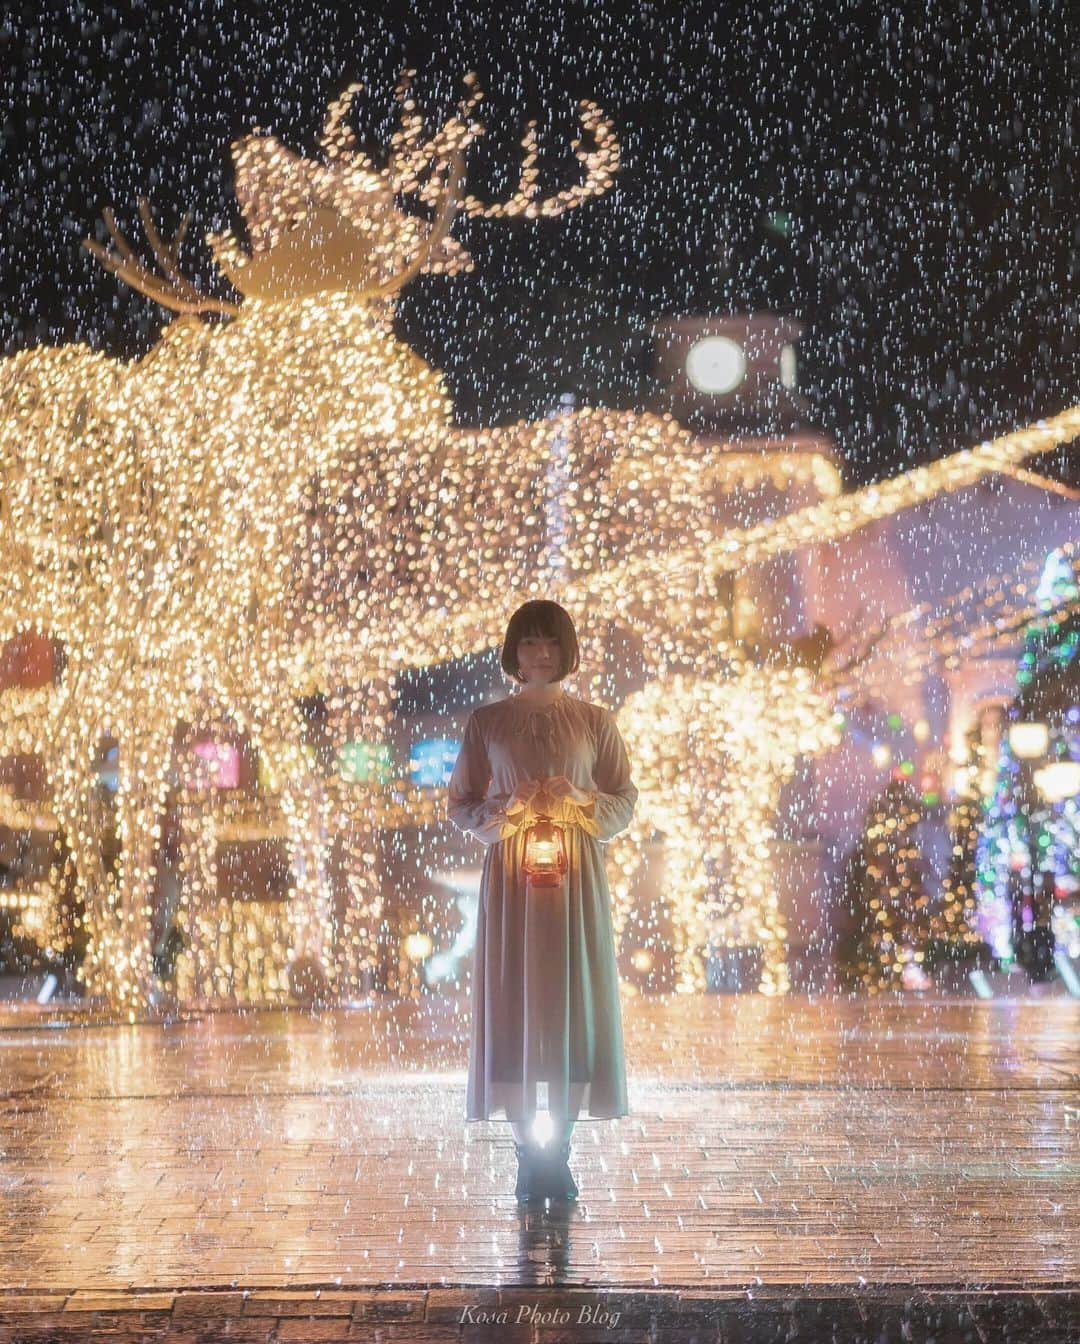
(545, 853)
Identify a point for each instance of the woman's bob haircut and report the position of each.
(552, 622)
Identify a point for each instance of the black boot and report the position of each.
(525, 1190)
(553, 1178)
(569, 1188)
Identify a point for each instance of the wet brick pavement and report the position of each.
(791, 1169)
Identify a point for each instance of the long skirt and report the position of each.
(545, 990)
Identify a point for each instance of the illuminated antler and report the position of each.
(411, 155)
(411, 158)
(172, 290)
(599, 163)
(444, 217)
(340, 224)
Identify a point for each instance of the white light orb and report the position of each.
(417, 946)
(1029, 741)
(716, 365)
(1058, 780)
(788, 373)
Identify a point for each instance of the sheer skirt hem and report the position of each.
(517, 1102)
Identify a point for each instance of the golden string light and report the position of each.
(971, 623)
(897, 920)
(157, 515)
(277, 503)
(690, 569)
(711, 781)
(32, 913)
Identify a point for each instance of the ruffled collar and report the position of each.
(537, 707)
(536, 720)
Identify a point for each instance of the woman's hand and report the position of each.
(559, 787)
(523, 795)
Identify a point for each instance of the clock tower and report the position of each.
(730, 376)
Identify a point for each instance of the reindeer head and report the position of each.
(335, 225)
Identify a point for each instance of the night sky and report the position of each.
(906, 188)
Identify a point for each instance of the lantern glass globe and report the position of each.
(417, 946)
(716, 364)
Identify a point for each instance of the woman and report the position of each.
(545, 995)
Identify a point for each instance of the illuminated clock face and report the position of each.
(716, 365)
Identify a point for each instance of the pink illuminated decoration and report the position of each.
(218, 767)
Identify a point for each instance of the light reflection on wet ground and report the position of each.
(770, 1141)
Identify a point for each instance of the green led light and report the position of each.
(779, 221)
(365, 762)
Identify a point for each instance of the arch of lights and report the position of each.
(275, 501)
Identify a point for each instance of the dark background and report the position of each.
(905, 184)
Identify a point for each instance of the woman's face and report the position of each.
(538, 659)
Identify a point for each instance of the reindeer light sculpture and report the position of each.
(156, 513)
(275, 501)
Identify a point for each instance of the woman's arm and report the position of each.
(610, 806)
(466, 805)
